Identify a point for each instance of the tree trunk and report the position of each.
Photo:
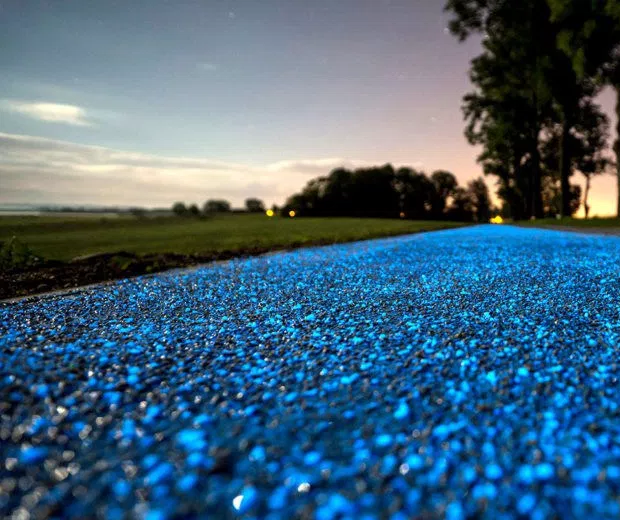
(537, 204)
(565, 165)
(586, 207)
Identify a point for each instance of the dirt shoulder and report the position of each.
(49, 276)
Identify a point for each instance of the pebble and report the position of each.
(468, 373)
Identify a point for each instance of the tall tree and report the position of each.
(481, 201)
(589, 34)
(445, 184)
(588, 143)
(511, 79)
(416, 193)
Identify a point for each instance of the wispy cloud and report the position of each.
(51, 112)
(38, 170)
(316, 166)
(208, 67)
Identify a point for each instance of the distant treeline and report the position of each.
(211, 206)
(386, 192)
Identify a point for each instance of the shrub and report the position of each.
(15, 254)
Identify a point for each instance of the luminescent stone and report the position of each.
(469, 373)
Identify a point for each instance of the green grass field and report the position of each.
(67, 237)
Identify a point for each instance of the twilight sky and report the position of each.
(151, 101)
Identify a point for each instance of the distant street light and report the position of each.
(291, 213)
(269, 213)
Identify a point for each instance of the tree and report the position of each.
(588, 143)
(525, 84)
(462, 207)
(179, 209)
(216, 206)
(445, 185)
(254, 205)
(372, 192)
(512, 96)
(589, 34)
(193, 210)
(481, 201)
(416, 193)
(378, 191)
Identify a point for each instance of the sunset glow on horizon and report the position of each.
(149, 102)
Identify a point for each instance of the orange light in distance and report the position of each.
(291, 213)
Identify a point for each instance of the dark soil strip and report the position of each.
(49, 276)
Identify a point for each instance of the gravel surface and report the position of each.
(463, 373)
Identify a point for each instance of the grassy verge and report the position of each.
(76, 251)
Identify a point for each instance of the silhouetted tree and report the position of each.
(193, 210)
(254, 205)
(462, 207)
(589, 34)
(445, 186)
(478, 193)
(527, 85)
(179, 209)
(416, 192)
(375, 192)
(588, 143)
(216, 206)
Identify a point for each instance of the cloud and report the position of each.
(208, 67)
(38, 170)
(316, 167)
(51, 112)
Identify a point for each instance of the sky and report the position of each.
(146, 102)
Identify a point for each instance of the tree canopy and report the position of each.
(384, 191)
(542, 64)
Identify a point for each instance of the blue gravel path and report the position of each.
(457, 374)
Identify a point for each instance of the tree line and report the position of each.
(533, 106)
(386, 192)
(211, 206)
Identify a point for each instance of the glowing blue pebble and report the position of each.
(526, 503)
(33, 455)
(121, 488)
(493, 472)
(277, 499)
(249, 498)
(491, 377)
(402, 412)
(257, 454)
(384, 440)
(311, 458)
(159, 474)
(454, 511)
(336, 506)
(191, 440)
(187, 482)
(415, 461)
(156, 514)
(544, 471)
